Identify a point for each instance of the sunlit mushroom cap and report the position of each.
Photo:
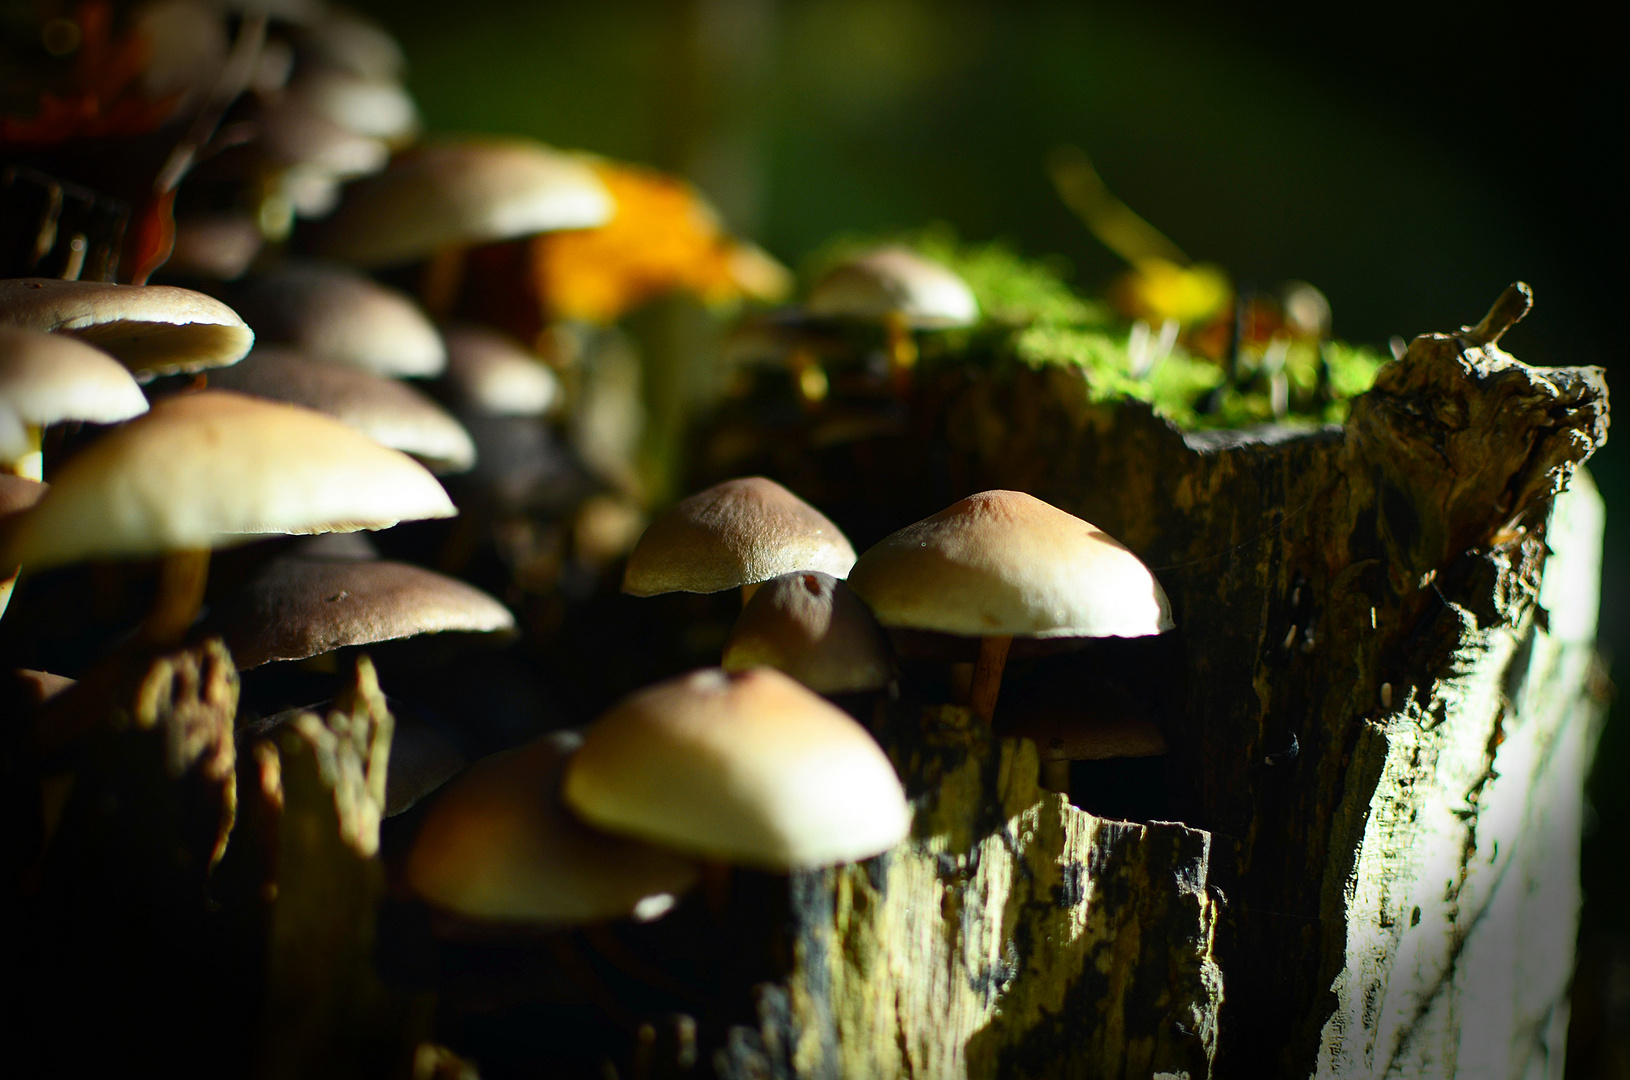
(49, 378)
(151, 329)
(334, 313)
(813, 627)
(497, 844)
(388, 412)
(492, 373)
(736, 533)
(295, 607)
(1003, 562)
(463, 193)
(750, 768)
(895, 280)
(376, 108)
(213, 469)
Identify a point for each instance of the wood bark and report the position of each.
(1380, 700)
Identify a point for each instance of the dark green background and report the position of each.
(1409, 159)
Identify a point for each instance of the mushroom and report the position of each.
(1000, 564)
(334, 313)
(497, 844)
(735, 535)
(491, 373)
(48, 379)
(218, 246)
(213, 469)
(386, 411)
(372, 107)
(152, 329)
(1095, 722)
(17, 494)
(296, 607)
(748, 768)
(435, 201)
(901, 289)
(813, 627)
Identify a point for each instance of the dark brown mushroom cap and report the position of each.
(1097, 721)
(294, 608)
(498, 844)
(388, 412)
(736, 533)
(151, 329)
(1003, 562)
(337, 314)
(813, 627)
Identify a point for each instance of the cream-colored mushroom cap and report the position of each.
(334, 313)
(736, 533)
(212, 469)
(295, 607)
(49, 378)
(216, 246)
(813, 627)
(497, 844)
(377, 108)
(492, 373)
(1003, 562)
(463, 193)
(388, 412)
(895, 280)
(151, 329)
(749, 768)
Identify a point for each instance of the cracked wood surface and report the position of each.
(1383, 702)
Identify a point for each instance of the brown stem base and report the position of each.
(180, 594)
(987, 675)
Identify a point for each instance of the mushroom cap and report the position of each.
(212, 469)
(492, 373)
(463, 193)
(1003, 562)
(18, 493)
(216, 246)
(293, 133)
(388, 412)
(895, 280)
(295, 607)
(335, 313)
(48, 378)
(749, 767)
(497, 844)
(152, 329)
(1083, 723)
(813, 627)
(736, 533)
(352, 42)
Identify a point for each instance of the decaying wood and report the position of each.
(1386, 697)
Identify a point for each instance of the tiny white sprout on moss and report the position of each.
(1386, 695)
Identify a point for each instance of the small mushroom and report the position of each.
(813, 627)
(1092, 723)
(218, 247)
(388, 412)
(48, 379)
(334, 313)
(901, 289)
(1003, 563)
(497, 844)
(297, 607)
(735, 535)
(213, 469)
(748, 768)
(152, 329)
(372, 107)
(491, 373)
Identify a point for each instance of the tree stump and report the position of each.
(1381, 701)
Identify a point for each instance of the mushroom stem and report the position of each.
(30, 464)
(181, 579)
(748, 590)
(1055, 776)
(987, 675)
(716, 887)
(441, 281)
(902, 350)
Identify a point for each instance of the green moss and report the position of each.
(1030, 315)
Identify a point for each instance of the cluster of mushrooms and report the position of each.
(344, 322)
